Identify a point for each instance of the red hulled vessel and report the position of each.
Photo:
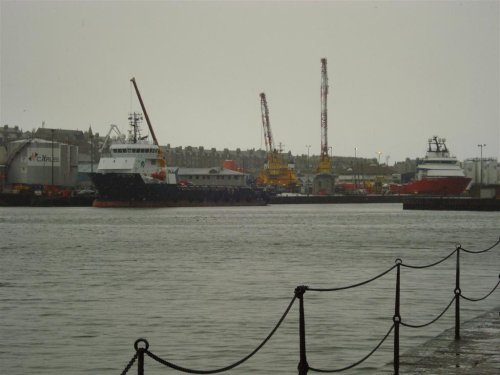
(437, 174)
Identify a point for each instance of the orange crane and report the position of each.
(161, 174)
(325, 164)
(275, 172)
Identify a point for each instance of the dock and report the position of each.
(315, 199)
(451, 204)
(477, 351)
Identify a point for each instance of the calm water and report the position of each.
(205, 285)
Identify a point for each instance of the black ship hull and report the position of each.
(130, 190)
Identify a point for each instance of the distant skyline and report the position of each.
(399, 72)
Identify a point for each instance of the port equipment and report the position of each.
(162, 174)
(275, 173)
(119, 135)
(325, 164)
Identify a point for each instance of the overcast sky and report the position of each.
(399, 71)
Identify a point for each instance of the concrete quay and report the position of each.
(476, 353)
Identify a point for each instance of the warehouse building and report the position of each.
(41, 162)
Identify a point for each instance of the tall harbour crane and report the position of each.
(275, 172)
(268, 135)
(325, 164)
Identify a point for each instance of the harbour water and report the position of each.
(206, 285)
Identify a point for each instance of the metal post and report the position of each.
(303, 366)
(355, 166)
(91, 153)
(308, 170)
(397, 317)
(457, 297)
(52, 158)
(481, 165)
(140, 354)
(140, 361)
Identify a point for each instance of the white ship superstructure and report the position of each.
(438, 162)
(136, 155)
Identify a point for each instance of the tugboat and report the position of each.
(438, 173)
(135, 175)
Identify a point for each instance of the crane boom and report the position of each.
(275, 172)
(161, 174)
(145, 112)
(268, 136)
(325, 162)
(324, 113)
(106, 139)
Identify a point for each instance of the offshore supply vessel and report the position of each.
(135, 175)
(438, 173)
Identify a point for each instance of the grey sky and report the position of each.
(399, 71)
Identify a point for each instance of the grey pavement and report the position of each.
(477, 351)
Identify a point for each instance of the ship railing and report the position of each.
(141, 345)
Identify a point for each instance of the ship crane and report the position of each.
(119, 136)
(325, 164)
(161, 174)
(275, 173)
(268, 135)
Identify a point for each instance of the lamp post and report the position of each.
(481, 164)
(91, 153)
(355, 166)
(308, 170)
(308, 147)
(52, 156)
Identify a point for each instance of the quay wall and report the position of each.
(452, 204)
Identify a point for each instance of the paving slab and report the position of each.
(477, 351)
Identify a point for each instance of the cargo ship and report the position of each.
(437, 174)
(134, 174)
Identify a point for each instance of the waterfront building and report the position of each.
(485, 171)
(40, 162)
(8, 134)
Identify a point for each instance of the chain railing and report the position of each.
(141, 345)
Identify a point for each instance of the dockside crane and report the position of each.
(266, 124)
(275, 173)
(162, 173)
(325, 164)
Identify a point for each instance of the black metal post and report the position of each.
(397, 317)
(140, 354)
(457, 297)
(140, 361)
(303, 366)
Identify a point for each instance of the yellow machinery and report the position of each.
(276, 172)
